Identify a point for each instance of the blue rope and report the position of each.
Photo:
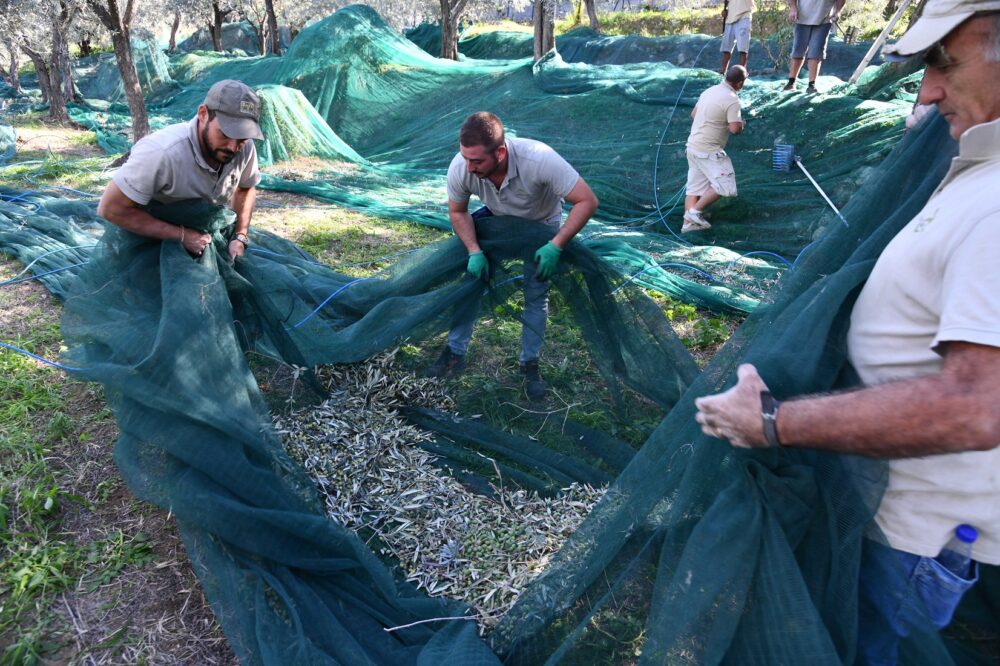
(803, 251)
(765, 252)
(321, 305)
(42, 256)
(39, 275)
(670, 265)
(39, 358)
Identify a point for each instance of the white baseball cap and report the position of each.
(938, 19)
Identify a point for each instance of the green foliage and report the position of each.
(110, 556)
(655, 23)
(38, 562)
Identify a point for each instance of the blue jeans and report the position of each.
(536, 312)
(900, 593)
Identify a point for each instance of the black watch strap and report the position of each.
(769, 415)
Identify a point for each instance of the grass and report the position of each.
(82, 565)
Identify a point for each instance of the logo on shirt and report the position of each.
(923, 220)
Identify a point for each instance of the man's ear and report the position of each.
(501, 152)
(203, 113)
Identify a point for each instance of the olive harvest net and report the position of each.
(697, 552)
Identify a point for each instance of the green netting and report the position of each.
(622, 126)
(98, 79)
(698, 553)
(8, 142)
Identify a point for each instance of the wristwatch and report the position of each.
(241, 237)
(769, 415)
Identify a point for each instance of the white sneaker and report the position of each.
(693, 221)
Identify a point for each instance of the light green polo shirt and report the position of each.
(167, 166)
(537, 180)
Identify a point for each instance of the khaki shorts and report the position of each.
(714, 171)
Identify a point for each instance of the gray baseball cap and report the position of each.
(938, 19)
(237, 109)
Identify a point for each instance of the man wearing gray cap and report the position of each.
(210, 157)
(925, 339)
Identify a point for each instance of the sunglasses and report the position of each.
(938, 58)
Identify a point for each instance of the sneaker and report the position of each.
(694, 221)
(790, 85)
(811, 88)
(448, 363)
(534, 386)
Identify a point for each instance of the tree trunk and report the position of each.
(15, 66)
(449, 38)
(272, 28)
(544, 29)
(261, 39)
(118, 25)
(130, 82)
(216, 26)
(174, 27)
(85, 48)
(60, 60)
(49, 81)
(41, 71)
(592, 13)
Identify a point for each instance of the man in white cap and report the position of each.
(211, 157)
(925, 339)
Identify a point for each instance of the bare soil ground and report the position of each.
(151, 613)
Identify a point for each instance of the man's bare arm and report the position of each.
(948, 412)
(121, 211)
(585, 204)
(462, 223)
(243, 203)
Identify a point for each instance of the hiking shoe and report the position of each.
(790, 85)
(534, 386)
(811, 88)
(694, 221)
(448, 363)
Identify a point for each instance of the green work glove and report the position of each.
(547, 259)
(478, 266)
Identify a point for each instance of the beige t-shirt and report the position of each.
(167, 166)
(537, 180)
(738, 9)
(717, 107)
(938, 281)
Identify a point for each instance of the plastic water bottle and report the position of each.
(956, 556)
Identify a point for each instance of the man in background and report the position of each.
(519, 178)
(710, 171)
(737, 16)
(813, 21)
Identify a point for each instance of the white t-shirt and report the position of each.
(537, 180)
(938, 281)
